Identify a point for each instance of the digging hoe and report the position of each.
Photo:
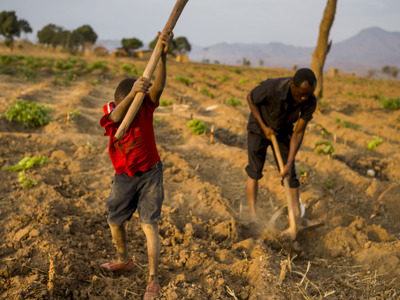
(291, 231)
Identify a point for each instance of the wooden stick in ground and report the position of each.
(148, 72)
(292, 219)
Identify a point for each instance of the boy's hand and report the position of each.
(166, 40)
(141, 85)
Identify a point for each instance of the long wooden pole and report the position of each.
(292, 219)
(148, 72)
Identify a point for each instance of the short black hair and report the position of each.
(302, 75)
(123, 89)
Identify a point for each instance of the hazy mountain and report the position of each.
(372, 48)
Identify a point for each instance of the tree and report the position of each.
(182, 45)
(391, 71)
(11, 27)
(179, 45)
(83, 37)
(323, 47)
(132, 43)
(245, 62)
(51, 35)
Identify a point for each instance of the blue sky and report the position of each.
(208, 22)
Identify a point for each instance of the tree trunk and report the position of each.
(323, 47)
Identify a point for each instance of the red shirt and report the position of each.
(137, 150)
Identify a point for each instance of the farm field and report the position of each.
(54, 235)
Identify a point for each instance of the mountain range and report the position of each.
(370, 49)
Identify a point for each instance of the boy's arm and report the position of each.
(119, 112)
(161, 75)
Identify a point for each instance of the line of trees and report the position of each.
(76, 40)
(79, 39)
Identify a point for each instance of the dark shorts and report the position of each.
(257, 150)
(144, 191)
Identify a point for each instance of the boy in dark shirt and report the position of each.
(275, 105)
(138, 180)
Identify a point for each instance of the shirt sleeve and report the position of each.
(259, 93)
(108, 125)
(149, 104)
(309, 109)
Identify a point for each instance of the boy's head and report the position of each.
(123, 89)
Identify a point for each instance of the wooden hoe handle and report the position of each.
(292, 219)
(148, 72)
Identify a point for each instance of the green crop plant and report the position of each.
(243, 80)
(197, 126)
(28, 113)
(328, 184)
(130, 69)
(9, 59)
(257, 80)
(90, 145)
(233, 102)
(236, 70)
(73, 114)
(324, 147)
(390, 103)
(348, 124)
(166, 102)
(157, 120)
(323, 132)
(28, 73)
(62, 65)
(225, 78)
(24, 181)
(374, 143)
(26, 163)
(303, 171)
(97, 65)
(206, 92)
(183, 79)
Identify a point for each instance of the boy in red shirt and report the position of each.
(138, 180)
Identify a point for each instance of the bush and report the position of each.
(28, 113)
(198, 126)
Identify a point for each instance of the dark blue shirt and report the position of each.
(277, 106)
